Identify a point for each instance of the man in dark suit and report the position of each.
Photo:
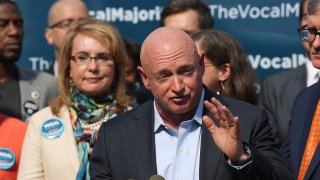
(279, 90)
(302, 116)
(301, 146)
(169, 137)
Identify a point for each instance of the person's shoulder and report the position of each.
(128, 117)
(41, 115)
(286, 75)
(28, 74)
(7, 121)
(44, 76)
(313, 89)
(241, 108)
(243, 104)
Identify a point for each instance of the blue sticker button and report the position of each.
(52, 128)
(7, 159)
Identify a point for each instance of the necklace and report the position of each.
(93, 126)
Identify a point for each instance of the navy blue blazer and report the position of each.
(125, 148)
(302, 115)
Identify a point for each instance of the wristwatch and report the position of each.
(247, 151)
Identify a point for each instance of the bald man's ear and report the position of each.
(143, 77)
(201, 59)
(202, 66)
(48, 36)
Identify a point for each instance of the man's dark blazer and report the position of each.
(277, 97)
(125, 148)
(302, 116)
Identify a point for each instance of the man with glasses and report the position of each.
(280, 90)
(61, 15)
(302, 144)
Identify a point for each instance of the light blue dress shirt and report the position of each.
(178, 152)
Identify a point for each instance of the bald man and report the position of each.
(61, 14)
(174, 134)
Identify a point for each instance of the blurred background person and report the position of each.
(12, 132)
(190, 16)
(61, 14)
(22, 91)
(280, 90)
(301, 146)
(135, 88)
(227, 68)
(92, 85)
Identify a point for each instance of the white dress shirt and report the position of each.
(178, 152)
(312, 73)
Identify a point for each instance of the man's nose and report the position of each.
(177, 84)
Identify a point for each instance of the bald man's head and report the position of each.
(63, 9)
(61, 15)
(172, 70)
(166, 40)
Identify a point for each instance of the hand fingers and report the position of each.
(220, 113)
(208, 123)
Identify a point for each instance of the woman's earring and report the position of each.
(71, 84)
(221, 89)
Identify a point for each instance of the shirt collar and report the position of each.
(197, 117)
(311, 70)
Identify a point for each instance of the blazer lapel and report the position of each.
(68, 141)
(210, 154)
(28, 92)
(314, 163)
(25, 91)
(299, 144)
(142, 144)
(302, 128)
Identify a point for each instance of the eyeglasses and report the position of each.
(83, 59)
(308, 35)
(63, 24)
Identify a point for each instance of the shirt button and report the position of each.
(181, 150)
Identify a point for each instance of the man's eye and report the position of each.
(4, 23)
(187, 71)
(65, 23)
(18, 23)
(312, 31)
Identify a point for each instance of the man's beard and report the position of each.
(9, 59)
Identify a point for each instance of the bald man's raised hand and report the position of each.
(227, 137)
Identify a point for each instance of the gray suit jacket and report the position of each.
(277, 97)
(125, 148)
(36, 90)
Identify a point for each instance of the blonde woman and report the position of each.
(59, 138)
